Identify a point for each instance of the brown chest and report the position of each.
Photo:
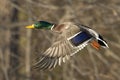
(60, 27)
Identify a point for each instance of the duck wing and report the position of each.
(60, 51)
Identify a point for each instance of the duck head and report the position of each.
(41, 25)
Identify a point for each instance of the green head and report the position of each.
(41, 25)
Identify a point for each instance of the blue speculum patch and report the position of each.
(80, 38)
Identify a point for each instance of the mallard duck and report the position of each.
(71, 39)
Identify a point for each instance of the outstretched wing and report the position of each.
(60, 51)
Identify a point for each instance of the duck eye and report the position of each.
(36, 25)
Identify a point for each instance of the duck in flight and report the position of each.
(72, 37)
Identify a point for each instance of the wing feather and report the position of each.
(60, 51)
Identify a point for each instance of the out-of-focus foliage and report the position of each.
(19, 46)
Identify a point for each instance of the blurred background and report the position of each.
(19, 46)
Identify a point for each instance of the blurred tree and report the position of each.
(19, 46)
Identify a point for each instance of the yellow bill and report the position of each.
(30, 26)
